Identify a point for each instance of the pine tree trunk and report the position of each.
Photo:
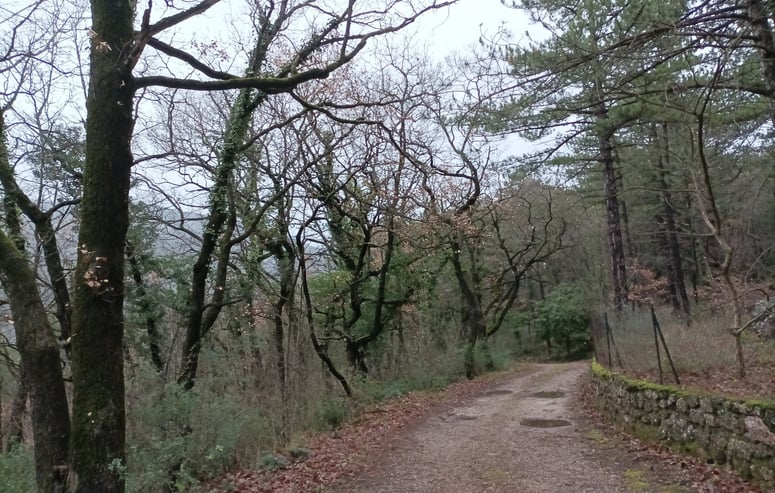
(613, 221)
(678, 296)
(629, 245)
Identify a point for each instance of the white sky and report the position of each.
(461, 25)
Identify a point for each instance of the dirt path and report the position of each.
(532, 431)
(520, 436)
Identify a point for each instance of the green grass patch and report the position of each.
(17, 470)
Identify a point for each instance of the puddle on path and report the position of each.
(465, 417)
(548, 394)
(544, 423)
(499, 392)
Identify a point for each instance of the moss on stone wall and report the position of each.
(740, 433)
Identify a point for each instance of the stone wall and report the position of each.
(735, 432)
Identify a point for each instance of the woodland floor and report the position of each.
(531, 430)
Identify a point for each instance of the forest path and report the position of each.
(486, 436)
(521, 435)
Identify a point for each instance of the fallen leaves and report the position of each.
(346, 452)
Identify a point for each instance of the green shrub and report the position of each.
(329, 414)
(563, 320)
(178, 438)
(273, 462)
(17, 471)
(300, 453)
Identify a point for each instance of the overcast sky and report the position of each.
(460, 26)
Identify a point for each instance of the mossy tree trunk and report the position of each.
(16, 200)
(472, 315)
(98, 422)
(41, 365)
(203, 314)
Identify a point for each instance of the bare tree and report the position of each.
(98, 409)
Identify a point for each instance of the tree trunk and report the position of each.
(472, 317)
(286, 265)
(356, 348)
(613, 221)
(41, 366)
(40, 374)
(678, 296)
(16, 199)
(279, 346)
(213, 233)
(760, 14)
(319, 349)
(255, 357)
(98, 423)
(18, 408)
(629, 246)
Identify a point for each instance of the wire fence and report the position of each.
(644, 341)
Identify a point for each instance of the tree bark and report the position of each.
(472, 316)
(41, 366)
(676, 277)
(630, 249)
(613, 221)
(286, 265)
(98, 423)
(285, 255)
(44, 229)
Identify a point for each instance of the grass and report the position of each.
(17, 471)
(704, 344)
(635, 480)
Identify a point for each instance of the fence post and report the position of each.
(608, 340)
(664, 345)
(654, 325)
(611, 342)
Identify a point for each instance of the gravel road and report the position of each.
(521, 435)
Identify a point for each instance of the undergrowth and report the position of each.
(235, 417)
(17, 470)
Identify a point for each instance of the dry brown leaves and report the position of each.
(343, 453)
